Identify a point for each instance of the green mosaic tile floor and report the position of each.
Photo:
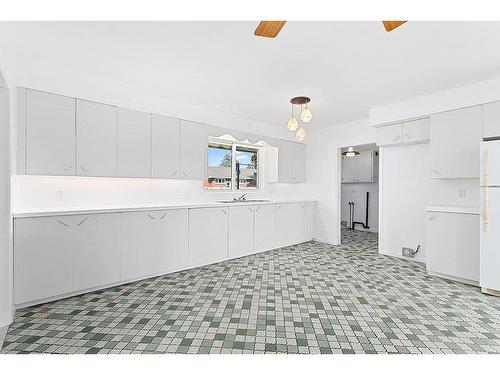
(308, 298)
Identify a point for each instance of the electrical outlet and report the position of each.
(60, 195)
(461, 193)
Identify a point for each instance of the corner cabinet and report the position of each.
(50, 134)
(455, 139)
(291, 162)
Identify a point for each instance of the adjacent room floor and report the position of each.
(308, 298)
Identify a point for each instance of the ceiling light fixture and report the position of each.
(292, 124)
(350, 152)
(305, 117)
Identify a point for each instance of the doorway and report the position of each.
(359, 191)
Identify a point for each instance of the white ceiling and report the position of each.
(345, 67)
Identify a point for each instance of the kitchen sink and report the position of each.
(245, 201)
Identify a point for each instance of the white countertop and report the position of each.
(471, 210)
(164, 206)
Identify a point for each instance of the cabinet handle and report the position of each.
(432, 217)
(65, 169)
(83, 169)
(63, 223)
(395, 139)
(250, 209)
(437, 172)
(151, 217)
(408, 136)
(163, 216)
(83, 221)
(257, 208)
(173, 174)
(225, 212)
(185, 174)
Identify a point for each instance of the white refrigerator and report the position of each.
(489, 266)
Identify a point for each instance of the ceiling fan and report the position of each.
(270, 29)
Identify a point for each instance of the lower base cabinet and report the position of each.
(57, 256)
(453, 245)
(208, 235)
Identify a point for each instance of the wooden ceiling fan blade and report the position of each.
(391, 25)
(269, 29)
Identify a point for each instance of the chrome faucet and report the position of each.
(242, 198)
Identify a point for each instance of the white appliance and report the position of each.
(489, 267)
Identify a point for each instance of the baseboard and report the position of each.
(492, 292)
(453, 278)
(3, 333)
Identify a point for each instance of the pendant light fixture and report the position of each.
(305, 117)
(292, 124)
(350, 152)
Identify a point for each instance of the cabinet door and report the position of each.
(241, 228)
(490, 238)
(349, 169)
(310, 219)
(96, 259)
(265, 227)
(455, 139)
(165, 147)
(42, 258)
(299, 162)
(134, 143)
(96, 139)
(285, 161)
(453, 245)
(207, 235)
(418, 131)
(193, 150)
(364, 166)
(50, 134)
(139, 253)
(390, 135)
(491, 120)
(290, 223)
(172, 240)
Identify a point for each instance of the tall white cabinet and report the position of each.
(291, 162)
(96, 139)
(50, 134)
(134, 143)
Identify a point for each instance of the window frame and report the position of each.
(234, 145)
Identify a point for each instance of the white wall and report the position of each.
(357, 193)
(477, 93)
(405, 186)
(5, 211)
(323, 163)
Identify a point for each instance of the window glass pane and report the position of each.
(219, 167)
(246, 168)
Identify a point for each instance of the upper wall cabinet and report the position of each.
(360, 168)
(193, 150)
(165, 147)
(96, 138)
(50, 134)
(415, 131)
(491, 120)
(455, 139)
(291, 162)
(134, 143)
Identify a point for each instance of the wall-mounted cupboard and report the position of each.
(291, 162)
(491, 120)
(408, 132)
(360, 168)
(57, 256)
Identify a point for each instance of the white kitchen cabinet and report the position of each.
(50, 134)
(310, 220)
(289, 223)
(360, 168)
(134, 143)
(291, 162)
(139, 252)
(96, 139)
(265, 227)
(96, 250)
(491, 120)
(417, 131)
(455, 139)
(171, 234)
(453, 245)
(208, 235)
(241, 231)
(42, 258)
(390, 135)
(193, 150)
(165, 147)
